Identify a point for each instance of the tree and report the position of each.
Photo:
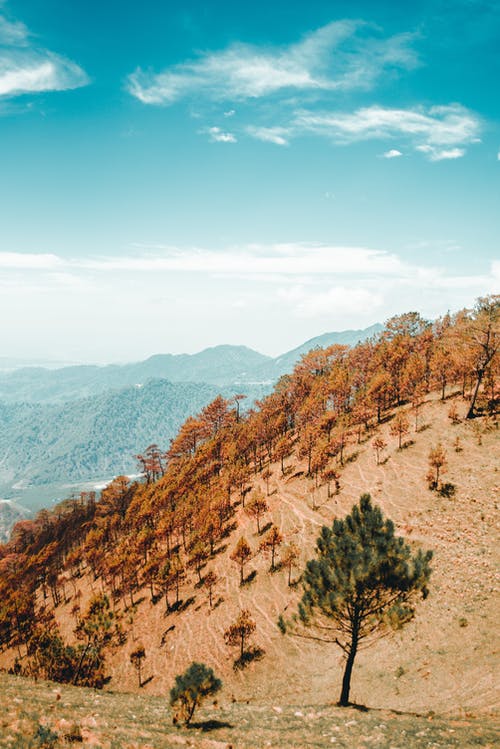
(379, 445)
(238, 633)
(240, 555)
(136, 658)
(289, 558)
(210, 581)
(271, 542)
(363, 583)
(400, 427)
(190, 688)
(481, 333)
(257, 507)
(437, 464)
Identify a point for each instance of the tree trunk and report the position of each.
(346, 681)
(470, 412)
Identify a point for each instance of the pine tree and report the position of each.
(363, 583)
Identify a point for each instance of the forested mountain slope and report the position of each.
(157, 566)
(94, 437)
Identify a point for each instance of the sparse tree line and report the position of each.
(153, 534)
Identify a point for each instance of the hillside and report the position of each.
(302, 458)
(94, 437)
(445, 660)
(136, 721)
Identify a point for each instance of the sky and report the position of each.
(177, 175)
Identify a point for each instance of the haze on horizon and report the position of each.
(177, 178)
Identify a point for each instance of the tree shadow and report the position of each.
(352, 457)
(296, 475)
(182, 605)
(210, 725)
(219, 550)
(229, 528)
(218, 602)
(252, 654)
(146, 681)
(423, 428)
(407, 444)
(164, 635)
(265, 528)
(249, 578)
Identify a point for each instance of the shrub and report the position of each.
(190, 688)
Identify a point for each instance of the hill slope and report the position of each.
(444, 661)
(135, 721)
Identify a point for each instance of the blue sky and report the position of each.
(177, 175)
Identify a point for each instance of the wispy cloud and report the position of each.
(27, 68)
(437, 126)
(277, 135)
(343, 55)
(440, 132)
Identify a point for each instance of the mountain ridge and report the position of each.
(221, 365)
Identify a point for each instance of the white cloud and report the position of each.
(320, 287)
(314, 303)
(29, 261)
(440, 131)
(290, 259)
(217, 135)
(27, 69)
(440, 154)
(392, 154)
(498, 156)
(341, 55)
(277, 135)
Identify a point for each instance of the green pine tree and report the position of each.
(363, 583)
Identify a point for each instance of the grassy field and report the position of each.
(67, 716)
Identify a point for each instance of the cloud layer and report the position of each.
(271, 297)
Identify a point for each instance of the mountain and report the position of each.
(218, 365)
(284, 364)
(221, 365)
(95, 437)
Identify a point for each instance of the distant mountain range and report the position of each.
(63, 428)
(220, 365)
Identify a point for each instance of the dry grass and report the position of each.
(82, 717)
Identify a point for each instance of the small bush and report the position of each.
(45, 737)
(447, 489)
(191, 687)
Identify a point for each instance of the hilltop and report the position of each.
(308, 453)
